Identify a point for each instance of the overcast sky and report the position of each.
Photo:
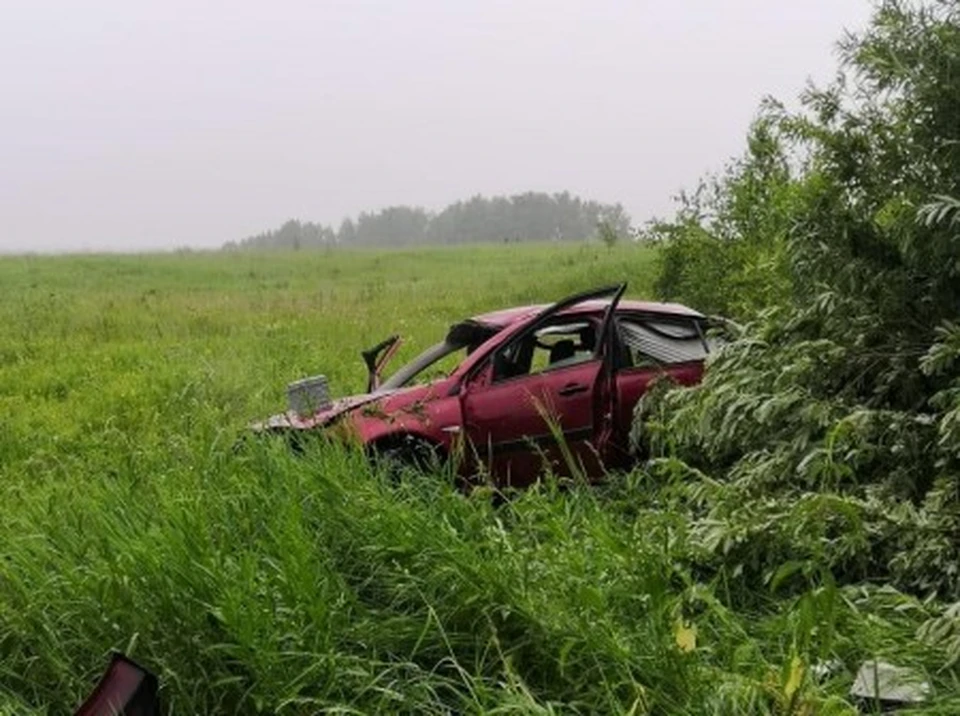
(135, 125)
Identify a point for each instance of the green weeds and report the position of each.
(253, 580)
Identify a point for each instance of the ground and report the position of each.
(253, 580)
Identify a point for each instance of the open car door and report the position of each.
(543, 400)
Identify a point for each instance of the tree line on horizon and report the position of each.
(532, 216)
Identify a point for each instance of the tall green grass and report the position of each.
(257, 581)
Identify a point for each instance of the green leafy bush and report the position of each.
(827, 437)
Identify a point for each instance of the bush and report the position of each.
(827, 438)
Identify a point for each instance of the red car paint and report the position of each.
(125, 689)
(498, 413)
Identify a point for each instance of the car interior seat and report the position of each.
(562, 350)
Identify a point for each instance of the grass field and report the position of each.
(254, 581)
(142, 346)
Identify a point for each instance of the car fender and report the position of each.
(431, 415)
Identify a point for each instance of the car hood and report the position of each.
(292, 420)
(393, 399)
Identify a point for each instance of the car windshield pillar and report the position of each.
(467, 334)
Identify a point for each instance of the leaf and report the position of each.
(785, 571)
(686, 636)
(565, 653)
(794, 678)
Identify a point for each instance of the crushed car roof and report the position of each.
(507, 316)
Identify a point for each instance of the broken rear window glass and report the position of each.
(657, 342)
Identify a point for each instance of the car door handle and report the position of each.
(572, 389)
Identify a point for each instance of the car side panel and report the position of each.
(511, 424)
(431, 414)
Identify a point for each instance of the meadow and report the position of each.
(256, 581)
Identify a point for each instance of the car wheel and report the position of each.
(408, 454)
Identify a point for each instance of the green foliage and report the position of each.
(725, 252)
(823, 444)
(608, 234)
(255, 581)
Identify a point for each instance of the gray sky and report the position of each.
(140, 125)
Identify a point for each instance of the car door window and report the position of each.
(560, 343)
(654, 341)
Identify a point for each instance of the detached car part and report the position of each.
(125, 689)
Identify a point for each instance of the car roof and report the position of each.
(507, 316)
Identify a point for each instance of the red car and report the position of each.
(523, 377)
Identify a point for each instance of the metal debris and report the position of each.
(879, 681)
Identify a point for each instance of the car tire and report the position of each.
(406, 454)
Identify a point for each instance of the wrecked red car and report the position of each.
(532, 387)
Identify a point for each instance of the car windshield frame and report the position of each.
(469, 334)
(411, 370)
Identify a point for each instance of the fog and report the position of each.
(142, 126)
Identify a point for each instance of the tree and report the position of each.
(836, 238)
(607, 234)
(347, 233)
(531, 216)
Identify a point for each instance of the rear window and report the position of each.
(659, 342)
